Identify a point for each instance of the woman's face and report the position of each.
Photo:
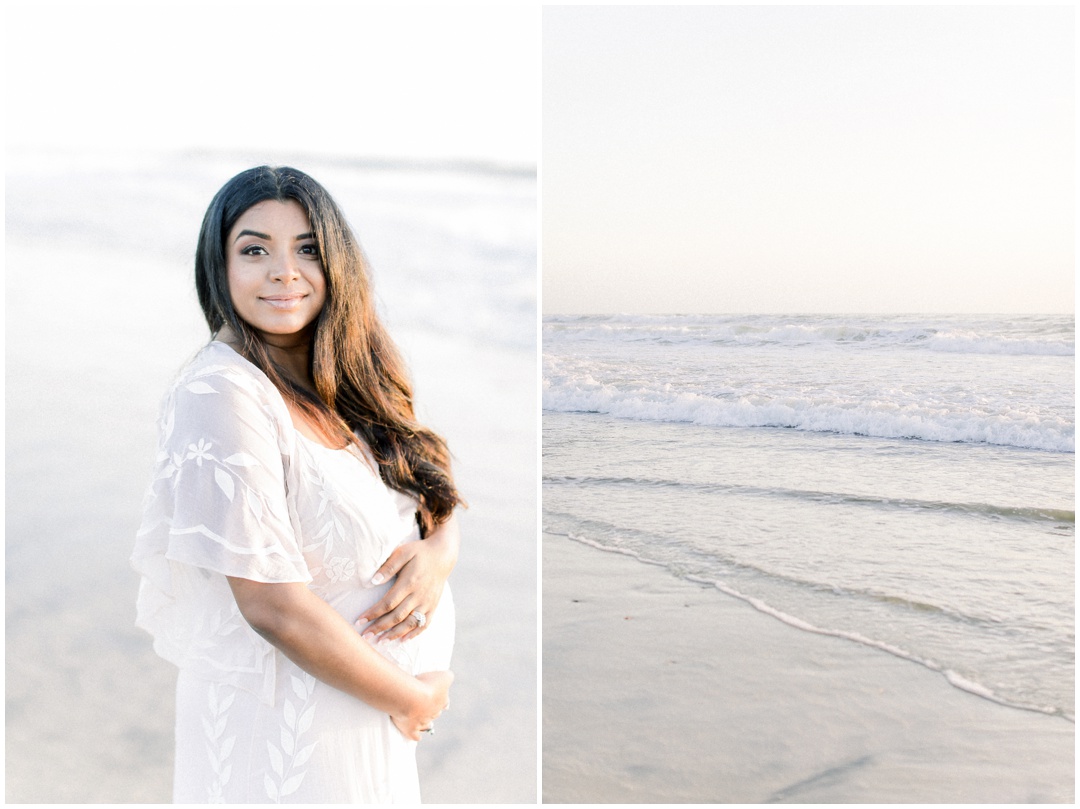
(275, 271)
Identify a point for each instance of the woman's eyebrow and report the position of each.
(254, 233)
(257, 235)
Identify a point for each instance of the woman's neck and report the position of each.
(290, 353)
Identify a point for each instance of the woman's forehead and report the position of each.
(277, 213)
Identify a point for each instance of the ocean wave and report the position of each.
(954, 678)
(987, 510)
(1016, 427)
(643, 546)
(1022, 336)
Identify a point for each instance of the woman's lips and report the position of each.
(284, 301)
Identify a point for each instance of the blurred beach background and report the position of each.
(103, 206)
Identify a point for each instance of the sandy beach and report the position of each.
(94, 334)
(659, 690)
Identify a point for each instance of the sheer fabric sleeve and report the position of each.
(217, 507)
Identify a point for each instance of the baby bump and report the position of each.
(428, 651)
(431, 649)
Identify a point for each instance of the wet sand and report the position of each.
(657, 690)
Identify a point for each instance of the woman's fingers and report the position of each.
(416, 590)
(423, 716)
(406, 728)
(410, 627)
(394, 562)
(400, 621)
(397, 560)
(395, 607)
(379, 613)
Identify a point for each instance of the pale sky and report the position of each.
(341, 78)
(808, 159)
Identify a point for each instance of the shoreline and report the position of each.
(660, 690)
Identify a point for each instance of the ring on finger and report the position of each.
(420, 618)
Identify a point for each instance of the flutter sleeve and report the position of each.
(217, 507)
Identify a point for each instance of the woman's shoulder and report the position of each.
(217, 373)
(217, 359)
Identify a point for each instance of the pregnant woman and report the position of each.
(299, 529)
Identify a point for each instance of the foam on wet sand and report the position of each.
(659, 690)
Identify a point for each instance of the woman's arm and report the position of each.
(310, 633)
(422, 569)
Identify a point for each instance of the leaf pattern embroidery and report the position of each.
(218, 748)
(241, 459)
(335, 568)
(286, 763)
(224, 482)
(227, 444)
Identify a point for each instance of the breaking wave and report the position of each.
(957, 335)
(1015, 427)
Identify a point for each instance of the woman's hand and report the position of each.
(422, 569)
(313, 635)
(434, 699)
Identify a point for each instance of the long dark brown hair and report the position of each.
(361, 385)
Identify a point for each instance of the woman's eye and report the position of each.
(254, 250)
(310, 250)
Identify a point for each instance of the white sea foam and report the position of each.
(952, 677)
(957, 335)
(988, 380)
(1008, 425)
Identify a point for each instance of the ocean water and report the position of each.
(902, 482)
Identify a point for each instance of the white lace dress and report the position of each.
(238, 491)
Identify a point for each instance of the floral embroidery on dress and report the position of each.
(339, 569)
(237, 491)
(200, 452)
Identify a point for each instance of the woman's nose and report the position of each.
(285, 268)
